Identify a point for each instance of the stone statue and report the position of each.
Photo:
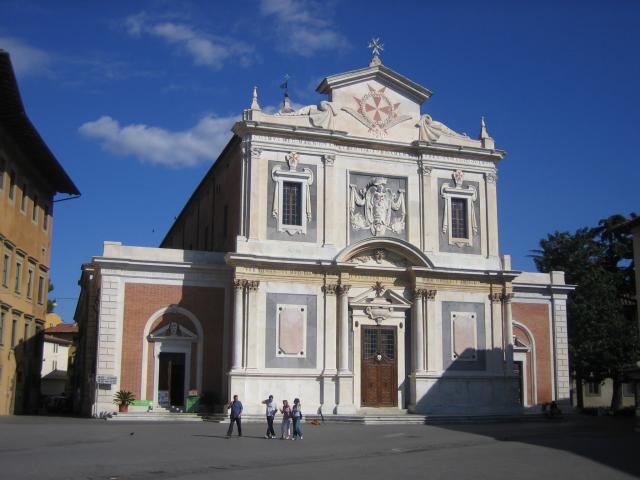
(431, 130)
(378, 202)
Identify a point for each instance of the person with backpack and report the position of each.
(271, 411)
(285, 426)
(296, 413)
(235, 408)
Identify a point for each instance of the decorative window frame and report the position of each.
(304, 177)
(470, 195)
(304, 309)
(452, 319)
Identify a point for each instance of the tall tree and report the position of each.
(603, 335)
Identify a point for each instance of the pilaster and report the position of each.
(330, 351)
(561, 347)
(434, 333)
(496, 359)
(238, 316)
(508, 332)
(252, 328)
(330, 220)
(418, 331)
(428, 214)
(492, 215)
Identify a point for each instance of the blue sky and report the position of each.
(136, 99)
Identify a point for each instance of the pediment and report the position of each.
(375, 296)
(379, 74)
(173, 331)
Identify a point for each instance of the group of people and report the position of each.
(291, 417)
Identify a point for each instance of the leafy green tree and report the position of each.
(603, 334)
(51, 302)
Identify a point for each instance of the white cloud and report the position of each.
(303, 27)
(26, 59)
(204, 49)
(203, 142)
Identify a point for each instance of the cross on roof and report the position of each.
(376, 46)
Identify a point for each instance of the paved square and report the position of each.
(70, 448)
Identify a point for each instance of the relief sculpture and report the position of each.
(378, 203)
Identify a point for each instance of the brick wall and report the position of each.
(535, 316)
(142, 301)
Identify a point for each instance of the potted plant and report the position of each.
(123, 398)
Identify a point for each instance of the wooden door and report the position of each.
(379, 379)
(519, 373)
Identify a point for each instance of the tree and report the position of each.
(603, 334)
(51, 302)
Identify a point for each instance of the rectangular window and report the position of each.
(34, 212)
(26, 330)
(18, 276)
(3, 317)
(225, 218)
(45, 219)
(12, 185)
(55, 348)
(6, 268)
(55, 364)
(459, 228)
(627, 389)
(14, 331)
(593, 388)
(30, 274)
(40, 289)
(292, 203)
(23, 201)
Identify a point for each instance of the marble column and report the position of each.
(330, 327)
(508, 332)
(329, 224)
(426, 211)
(343, 364)
(434, 333)
(492, 214)
(251, 319)
(238, 314)
(418, 330)
(497, 344)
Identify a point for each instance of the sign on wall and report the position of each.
(106, 379)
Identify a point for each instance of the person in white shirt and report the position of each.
(271, 411)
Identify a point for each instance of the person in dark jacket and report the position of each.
(235, 413)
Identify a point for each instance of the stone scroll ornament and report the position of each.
(378, 203)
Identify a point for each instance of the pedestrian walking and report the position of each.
(271, 411)
(235, 413)
(296, 413)
(285, 426)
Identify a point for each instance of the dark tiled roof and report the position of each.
(16, 123)
(63, 328)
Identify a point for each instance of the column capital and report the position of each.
(251, 285)
(425, 293)
(431, 295)
(330, 289)
(238, 284)
(507, 297)
(495, 297)
(424, 169)
(343, 289)
(328, 160)
(256, 152)
(491, 177)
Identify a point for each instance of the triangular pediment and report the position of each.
(173, 331)
(385, 298)
(380, 74)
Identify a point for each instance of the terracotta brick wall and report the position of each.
(535, 316)
(142, 301)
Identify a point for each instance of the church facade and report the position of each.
(346, 254)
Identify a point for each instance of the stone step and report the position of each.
(155, 417)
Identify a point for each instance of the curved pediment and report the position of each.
(384, 253)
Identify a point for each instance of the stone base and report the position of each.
(464, 395)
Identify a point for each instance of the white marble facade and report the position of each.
(377, 184)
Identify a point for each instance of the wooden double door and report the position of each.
(379, 379)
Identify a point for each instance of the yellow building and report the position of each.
(30, 176)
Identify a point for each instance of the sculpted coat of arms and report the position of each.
(378, 203)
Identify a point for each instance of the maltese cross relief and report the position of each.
(376, 112)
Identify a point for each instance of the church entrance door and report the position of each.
(379, 369)
(171, 377)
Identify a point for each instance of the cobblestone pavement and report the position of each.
(72, 448)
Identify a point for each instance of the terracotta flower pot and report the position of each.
(123, 408)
